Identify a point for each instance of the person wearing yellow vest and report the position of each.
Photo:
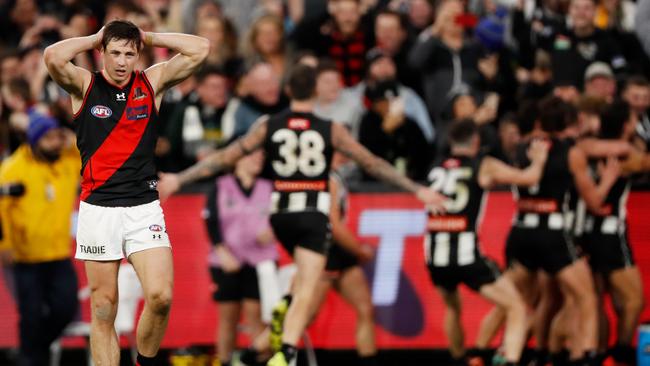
(36, 237)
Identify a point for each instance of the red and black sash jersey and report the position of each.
(116, 136)
(299, 152)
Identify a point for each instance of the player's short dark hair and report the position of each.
(613, 120)
(555, 114)
(526, 116)
(302, 82)
(122, 30)
(462, 131)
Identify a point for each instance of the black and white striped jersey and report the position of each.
(299, 151)
(453, 239)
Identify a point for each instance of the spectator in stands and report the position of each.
(266, 42)
(391, 37)
(636, 93)
(333, 102)
(9, 67)
(16, 17)
(448, 62)
(344, 37)
(389, 133)
(579, 43)
(381, 68)
(261, 95)
(194, 127)
(600, 82)
(223, 43)
(238, 223)
(36, 231)
(641, 24)
(465, 106)
(420, 14)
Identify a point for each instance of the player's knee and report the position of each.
(104, 306)
(160, 301)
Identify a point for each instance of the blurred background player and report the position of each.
(452, 248)
(36, 234)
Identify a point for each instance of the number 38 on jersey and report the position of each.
(300, 152)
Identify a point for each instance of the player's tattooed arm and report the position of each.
(216, 161)
(373, 165)
(380, 169)
(227, 156)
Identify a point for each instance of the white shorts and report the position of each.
(113, 233)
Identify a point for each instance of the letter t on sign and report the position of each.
(392, 227)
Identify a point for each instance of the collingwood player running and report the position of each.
(299, 148)
(452, 248)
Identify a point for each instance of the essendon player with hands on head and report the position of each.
(299, 148)
(452, 248)
(115, 117)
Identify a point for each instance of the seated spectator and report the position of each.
(579, 43)
(381, 68)
(261, 95)
(194, 127)
(333, 102)
(388, 133)
(600, 82)
(266, 42)
(448, 62)
(391, 37)
(343, 37)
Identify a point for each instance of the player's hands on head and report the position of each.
(168, 184)
(538, 151)
(229, 263)
(97, 43)
(434, 201)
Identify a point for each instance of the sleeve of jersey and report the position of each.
(212, 217)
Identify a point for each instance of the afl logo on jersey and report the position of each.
(101, 111)
(299, 124)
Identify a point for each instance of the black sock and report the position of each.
(225, 363)
(559, 359)
(289, 352)
(288, 297)
(368, 360)
(249, 357)
(541, 356)
(145, 361)
(624, 354)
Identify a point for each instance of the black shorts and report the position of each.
(608, 252)
(310, 230)
(476, 275)
(545, 249)
(339, 259)
(235, 286)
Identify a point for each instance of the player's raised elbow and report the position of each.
(202, 49)
(52, 59)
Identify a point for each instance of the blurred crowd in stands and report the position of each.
(397, 72)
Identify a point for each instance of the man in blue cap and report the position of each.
(36, 239)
